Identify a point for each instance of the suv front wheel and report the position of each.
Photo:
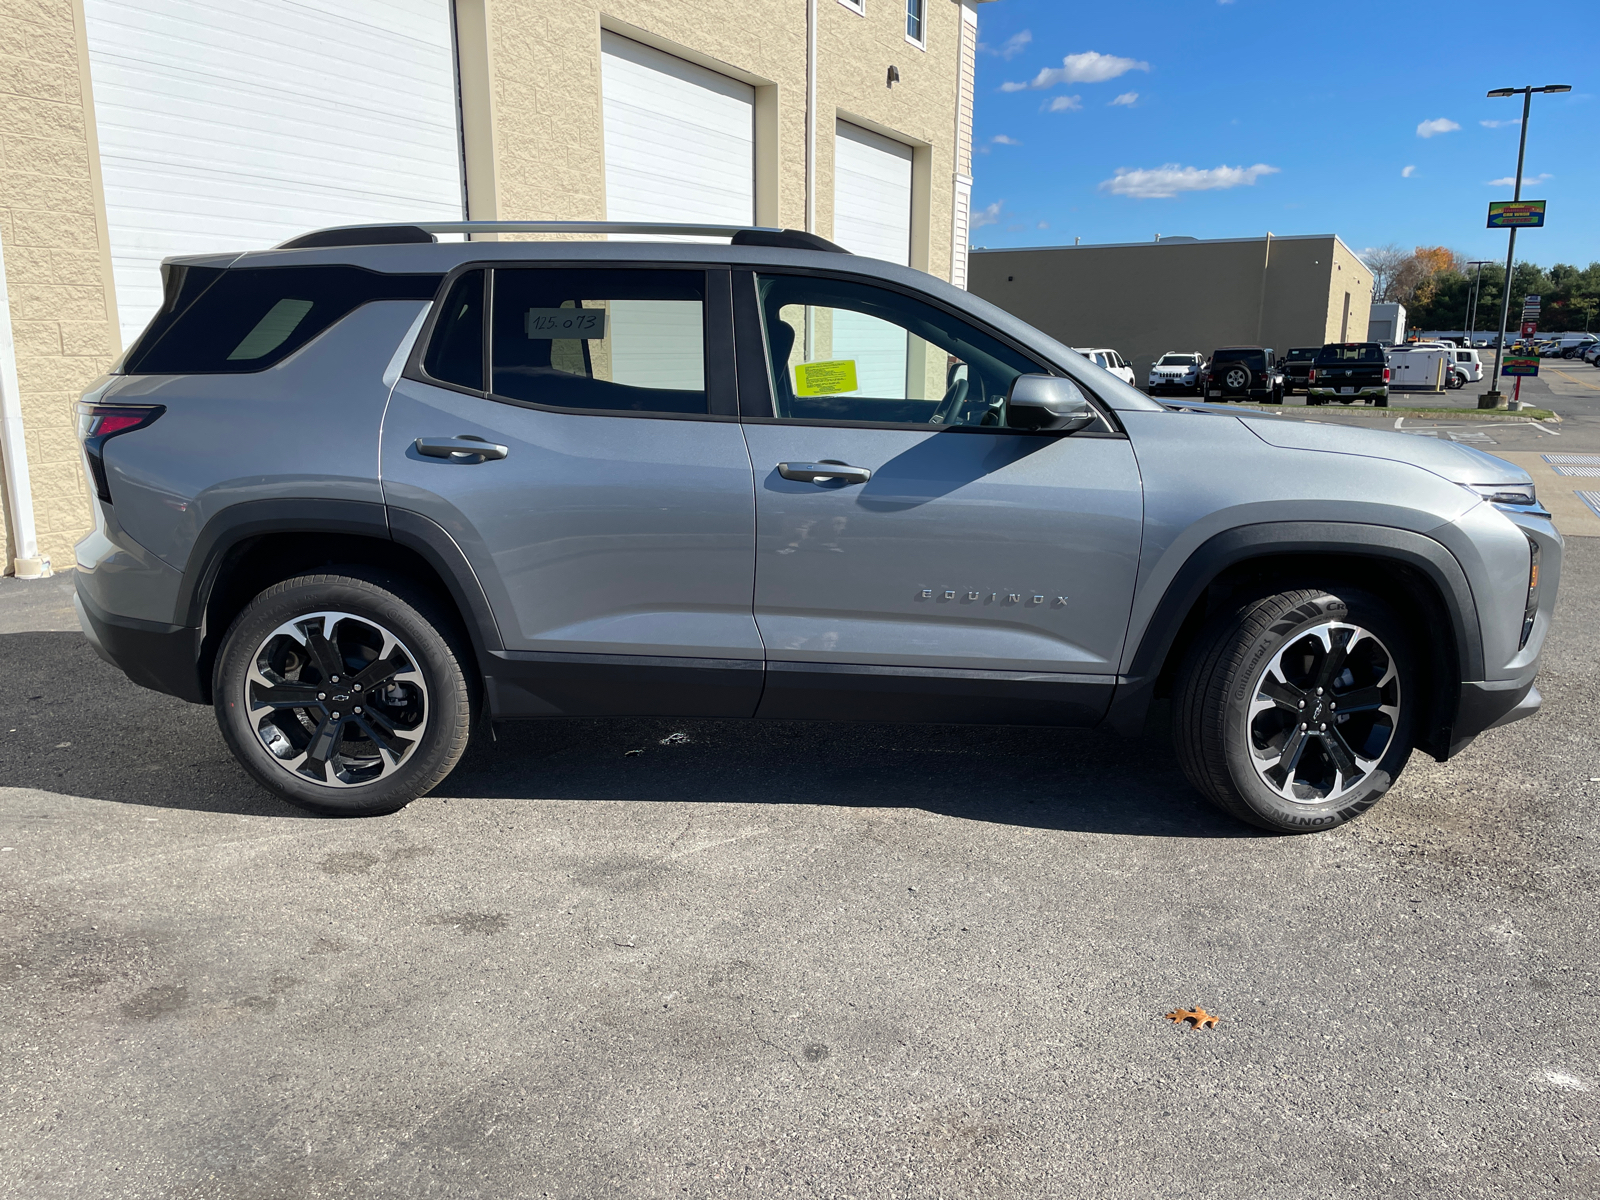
(1295, 711)
(344, 693)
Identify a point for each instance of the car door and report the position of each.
(573, 430)
(916, 558)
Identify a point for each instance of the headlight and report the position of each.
(1515, 495)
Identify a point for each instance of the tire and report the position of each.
(383, 754)
(1381, 402)
(1457, 381)
(1236, 379)
(1227, 729)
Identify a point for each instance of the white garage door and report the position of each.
(237, 126)
(679, 139)
(872, 194)
(872, 215)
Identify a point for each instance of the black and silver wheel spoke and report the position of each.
(1324, 713)
(336, 699)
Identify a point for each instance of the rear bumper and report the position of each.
(160, 657)
(1358, 393)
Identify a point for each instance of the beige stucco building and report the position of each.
(131, 130)
(1144, 299)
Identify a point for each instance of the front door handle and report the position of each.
(467, 448)
(816, 472)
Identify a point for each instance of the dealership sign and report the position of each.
(1520, 364)
(1516, 214)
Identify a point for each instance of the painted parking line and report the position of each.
(1593, 387)
(1592, 499)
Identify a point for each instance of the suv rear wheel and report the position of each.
(345, 693)
(1294, 712)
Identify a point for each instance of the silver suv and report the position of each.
(367, 490)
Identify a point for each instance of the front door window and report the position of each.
(846, 351)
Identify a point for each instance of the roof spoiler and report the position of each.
(394, 235)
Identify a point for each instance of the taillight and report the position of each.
(1386, 374)
(98, 423)
(1311, 375)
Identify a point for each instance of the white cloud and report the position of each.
(1408, 172)
(1065, 104)
(1163, 183)
(987, 215)
(1127, 99)
(1011, 47)
(1044, 225)
(1436, 126)
(1088, 67)
(1001, 139)
(1500, 124)
(1510, 181)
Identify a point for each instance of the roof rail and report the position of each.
(424, 231)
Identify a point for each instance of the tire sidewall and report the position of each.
(383, 601)
(1352, 607)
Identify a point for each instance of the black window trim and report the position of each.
(755, 367)
(721, 388)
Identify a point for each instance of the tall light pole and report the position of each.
(1493, 395)
(1472, 300)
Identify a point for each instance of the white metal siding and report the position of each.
(679, 139)
(872, 194)
(237, 126)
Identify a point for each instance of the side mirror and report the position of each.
(1047, 402)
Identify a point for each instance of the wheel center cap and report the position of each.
(343, 697)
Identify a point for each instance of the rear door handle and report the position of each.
(466, 448)
(816, 472)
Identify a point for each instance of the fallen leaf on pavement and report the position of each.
(1199, 1017)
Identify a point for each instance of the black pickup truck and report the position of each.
(1349, 371)
(1297, 366)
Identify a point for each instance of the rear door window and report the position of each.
(248, 319)
(599, 339)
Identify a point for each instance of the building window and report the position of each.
(914, 13)
(855, 6)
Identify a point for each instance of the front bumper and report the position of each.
(1483, 706)
(163, 658)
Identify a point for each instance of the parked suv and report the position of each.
(1176, 371)
(366, 491)
(1243, 373)
(1109, 359)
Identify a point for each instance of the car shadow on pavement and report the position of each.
(70, 723)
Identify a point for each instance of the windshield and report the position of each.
(1176, 360)
(1303, 355)
(1368, 352)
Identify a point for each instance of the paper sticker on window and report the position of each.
(825, 378)
(588, 324)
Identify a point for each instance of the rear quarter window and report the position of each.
(229, 322)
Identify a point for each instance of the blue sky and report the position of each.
(1229, 118)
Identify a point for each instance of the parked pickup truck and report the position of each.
(1296, 366)
(1347, 372)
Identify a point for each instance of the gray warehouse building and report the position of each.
(1144, 299)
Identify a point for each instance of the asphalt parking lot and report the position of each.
(786, 960)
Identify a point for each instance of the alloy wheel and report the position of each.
(1324, 713)
(1237, 378)
(336, 699)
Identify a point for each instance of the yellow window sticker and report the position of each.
(825, 378)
